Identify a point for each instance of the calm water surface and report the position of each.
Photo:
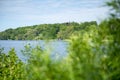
(57, 47)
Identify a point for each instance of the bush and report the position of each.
(11, 68)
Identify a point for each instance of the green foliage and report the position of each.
(41, 67)
(114, 29)
(115, 8)
(11, 68)
(88, 54)
(44, 31)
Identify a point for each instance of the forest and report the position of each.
(94, 51)
(45, 31)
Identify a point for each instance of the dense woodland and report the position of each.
(94, 51)
(45, 31)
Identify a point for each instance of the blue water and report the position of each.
(56, 48)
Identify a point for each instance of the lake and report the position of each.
(56, 47)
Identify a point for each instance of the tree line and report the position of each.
(45, 31)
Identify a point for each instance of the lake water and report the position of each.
(57, 47)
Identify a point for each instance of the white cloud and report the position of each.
(77, 15)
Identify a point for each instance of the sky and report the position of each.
(19, 13)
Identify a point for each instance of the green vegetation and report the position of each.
(94, 54)
(11, 67)
(45, 31)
